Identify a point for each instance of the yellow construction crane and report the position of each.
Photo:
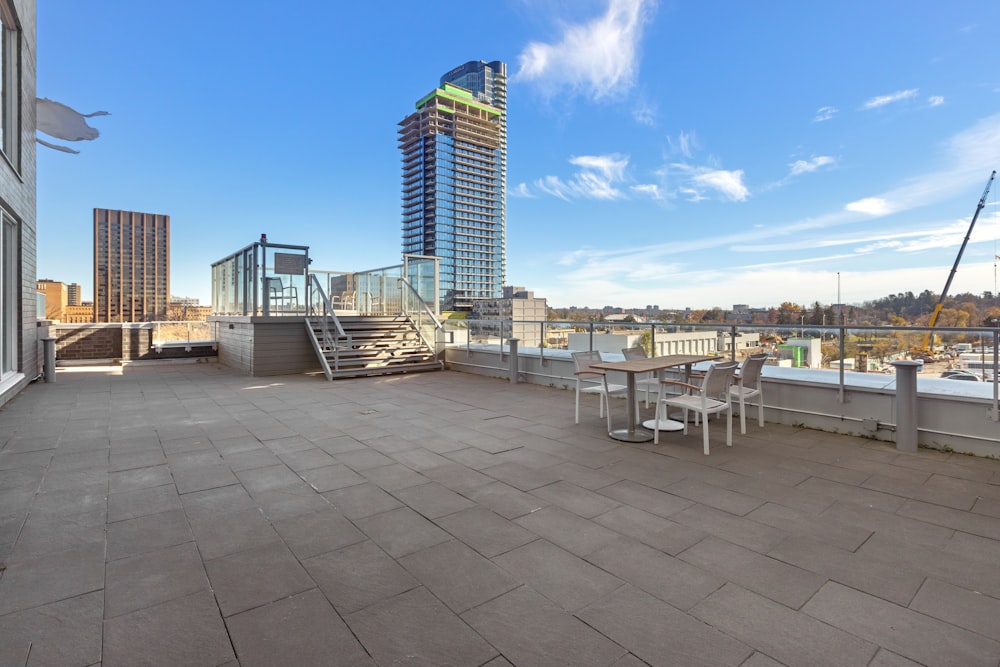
(937, 309)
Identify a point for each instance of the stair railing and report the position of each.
(320, 306)
(419, 313)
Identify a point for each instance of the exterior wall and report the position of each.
(118, 342)
(17, 197)
(265, 346)
(56, 299)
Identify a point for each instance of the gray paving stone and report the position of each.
(332, 477)
(567, 530)
(303, 629)
(791, 637)
(363, 459)
(565, 579)
(889, 524)
(416, 628)
(505, 500)
(738, 530)
(457, 575)
(290, 501)
(357, 576)
(402, 531)
(658, 633)
(962, 607)
(256, 576)
(646, 498)
(140, 502)
(37, 580)
(852, 494)
(903, 631)
(457, 477)
(576, 499)
(140, 478)
(485, 531)
(66, 633)
(822, 529)
(180, 461)
(772, 578)
(393, 477)
(223, 534)
(357, 502)
(713, 496)
(260, 480)
(985, 526)
(223, 500)
(433, 500)
(74, 500)
(681, 584)
(667, 536)
(46, 533)
(203, 477)
(307, 459)
(309, 535)
(186, 631)
(522, 477)
(149, 579)
(250, 459)
(530, 630)
(868, 573)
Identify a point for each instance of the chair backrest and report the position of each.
(637, 352)
(718, 378)
(750, 372)
(582, 360)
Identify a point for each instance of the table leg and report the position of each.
(629, 434)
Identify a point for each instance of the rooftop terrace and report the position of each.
(187, 515)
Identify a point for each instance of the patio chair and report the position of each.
(747, 386)
(711, 397)
(593, 381)
(646, 381)
(345, 300)
(279, 295)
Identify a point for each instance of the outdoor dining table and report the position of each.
(636, 432)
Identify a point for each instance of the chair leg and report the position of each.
(729, 426)
(760, 409)
(577, 419)
(704, 432)
(743, 415)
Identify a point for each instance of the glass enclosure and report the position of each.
(262, 279)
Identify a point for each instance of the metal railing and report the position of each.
(840, 348)
(414, 308)
(183, 333)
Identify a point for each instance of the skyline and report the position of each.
(663, 153)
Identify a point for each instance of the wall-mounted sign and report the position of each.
(289, 264)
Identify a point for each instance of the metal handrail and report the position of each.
(422, 304)
(328, 312)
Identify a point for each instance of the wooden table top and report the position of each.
(652, 363)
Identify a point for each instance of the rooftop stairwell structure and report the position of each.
(396, 335)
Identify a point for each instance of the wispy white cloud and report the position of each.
(806, 166)
(882, 100)
(521, 190)
(824, 114)
(599, 177)
(651, 190)
(684, 144)
(700, 180)
(594, 58)
(935, 100)
(876, 206)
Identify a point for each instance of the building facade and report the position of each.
(131, 266)
(73, 295)
(517, 315)
(454, 149)
(56, 299)
(19, 353)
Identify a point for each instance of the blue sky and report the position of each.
(683, 154)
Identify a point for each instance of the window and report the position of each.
(9, 295)
(10, 85)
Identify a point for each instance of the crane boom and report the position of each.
(954, 268)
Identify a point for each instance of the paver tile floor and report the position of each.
(187, 515)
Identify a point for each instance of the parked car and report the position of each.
(958, 374)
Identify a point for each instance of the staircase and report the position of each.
(374, 345)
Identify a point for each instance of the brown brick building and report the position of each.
(131, 266)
